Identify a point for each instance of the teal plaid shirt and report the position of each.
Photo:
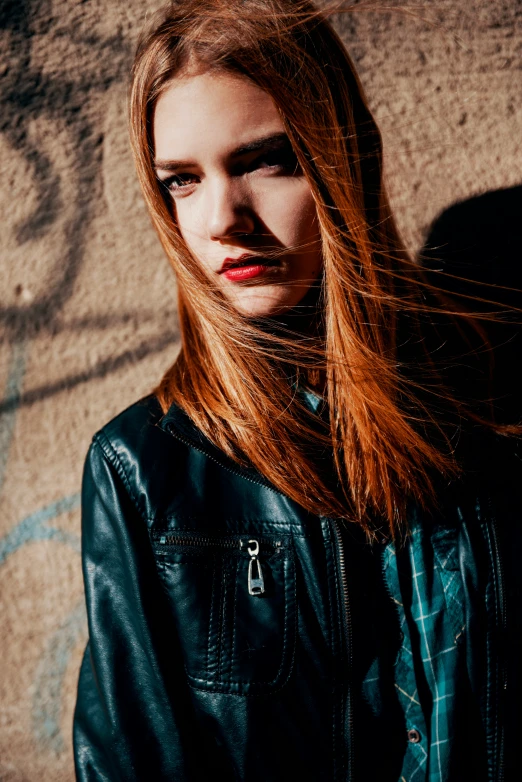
(425, 584)
(416, 718)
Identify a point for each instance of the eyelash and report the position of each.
(175, 182)
(285, 160)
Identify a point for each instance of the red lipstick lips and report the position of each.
(246, 267)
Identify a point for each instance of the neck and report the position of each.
(303, 319)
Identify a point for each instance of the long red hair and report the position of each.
(237, 379)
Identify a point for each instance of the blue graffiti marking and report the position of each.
(47, 701)
(50, 675)
(34, 527)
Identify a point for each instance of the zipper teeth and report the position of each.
(189, 540)
(176, 540)
(349, 651)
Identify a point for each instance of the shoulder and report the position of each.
(134, 422)
(132, 434)
(134, 449)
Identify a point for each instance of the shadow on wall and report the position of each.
(28, 94)
(478, 244)
(65, 99)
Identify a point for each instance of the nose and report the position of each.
(229, 209)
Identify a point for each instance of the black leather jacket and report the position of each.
(190, 673)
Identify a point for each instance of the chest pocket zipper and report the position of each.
(256, 583)
(234, 607)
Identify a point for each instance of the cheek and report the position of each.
(186, 222)
(289, 212)
(306, 217)
(192, 229)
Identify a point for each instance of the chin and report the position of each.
(261, 306)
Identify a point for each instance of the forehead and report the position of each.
(206, 115)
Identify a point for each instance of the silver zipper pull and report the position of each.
(256, 583)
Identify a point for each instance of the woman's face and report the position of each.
(237, 191)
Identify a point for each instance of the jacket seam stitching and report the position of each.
(334, 677)
(234, 624)
(266, 685)
(339, 623)
(113, 459)
(212, 619)
(221, 620)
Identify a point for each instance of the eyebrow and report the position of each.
(267, 143)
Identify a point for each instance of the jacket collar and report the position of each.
(178, 424)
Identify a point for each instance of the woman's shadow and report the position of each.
(478, 244)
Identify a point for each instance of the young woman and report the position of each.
(299, 553)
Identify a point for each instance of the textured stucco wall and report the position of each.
(87, 301)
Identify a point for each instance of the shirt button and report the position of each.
(414, 736)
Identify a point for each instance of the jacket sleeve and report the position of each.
(132, 689)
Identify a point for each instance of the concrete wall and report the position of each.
(88, 303)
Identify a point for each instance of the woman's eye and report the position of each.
(177, 183)
(282, 159)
